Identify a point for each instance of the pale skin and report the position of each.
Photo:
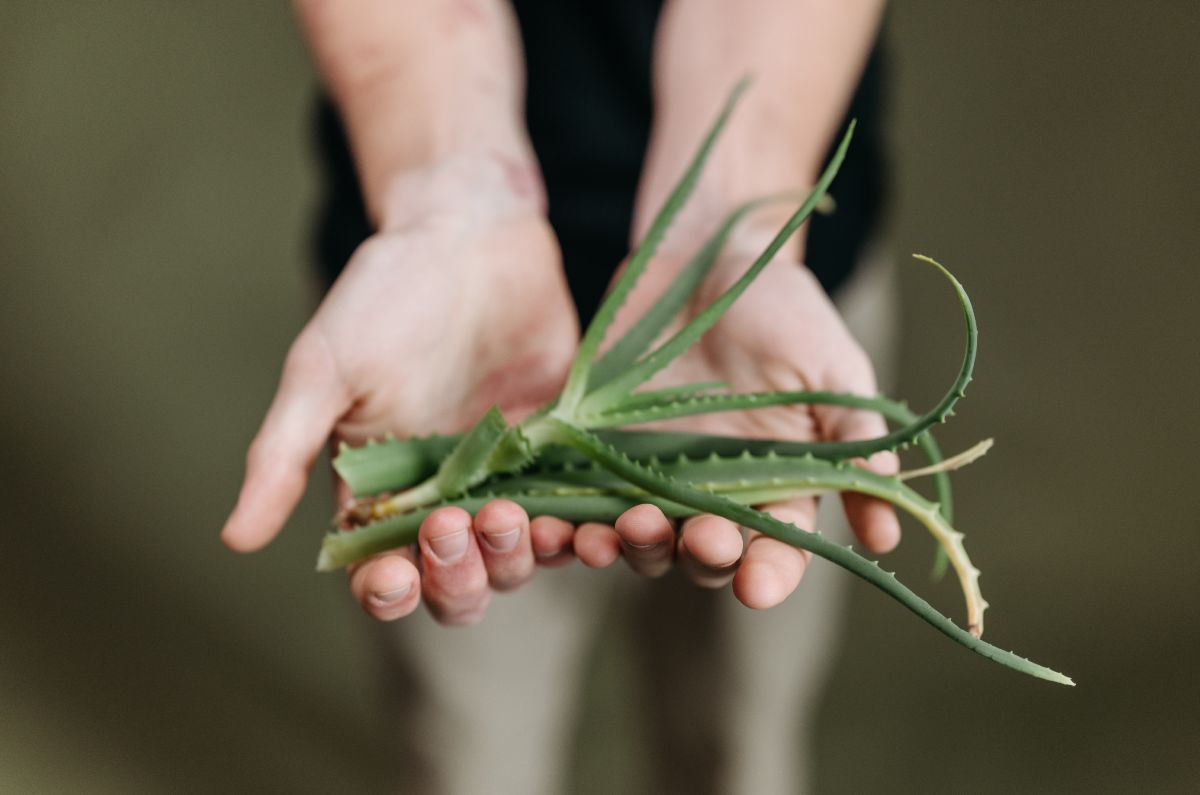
(459, 301)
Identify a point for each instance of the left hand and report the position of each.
(784, 333)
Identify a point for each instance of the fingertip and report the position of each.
(445, 535)
(874, 522)
(712, 541)
(502, 514)
(597, 545)
(759, 586)
(647, 539)
(259, 514)
(502, 532)
(709, 550)
(387, 587)
(885, 462)
(770, 571)
(644, 525)
(307, 403)
(448, 517)
(552, 540)
(454, 580)
(235, 542)
(236, 539)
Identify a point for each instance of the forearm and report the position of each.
(421, 81)
(805, 58)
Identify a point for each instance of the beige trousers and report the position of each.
(727, 695)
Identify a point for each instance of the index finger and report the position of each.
(308, 403)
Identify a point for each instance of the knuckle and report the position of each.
(512, 579)
(654, 570)
(304, 354)
(711, 578)
(459, 613)
(375, 251)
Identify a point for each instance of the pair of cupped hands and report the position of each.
(458, 303)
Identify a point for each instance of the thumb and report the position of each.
(310, 399)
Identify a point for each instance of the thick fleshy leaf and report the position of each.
(707, 502)
(623, 384)
(577, 379)
(646, 330)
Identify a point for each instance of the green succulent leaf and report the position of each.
(391, 464)
(610, 394)
(646, 330)
(552, 464)
(467, 464)
(578, 377)
(868, 570)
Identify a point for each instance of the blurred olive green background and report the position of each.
(155, 183)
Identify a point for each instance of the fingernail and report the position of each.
(388, 598)
(725, 565)
(645, 547)
(503, 542)
(450, 547)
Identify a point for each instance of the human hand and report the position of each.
(458, 303)
(782, 334)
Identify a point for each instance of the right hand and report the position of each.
(456, 304)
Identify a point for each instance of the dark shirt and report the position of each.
(588, 109)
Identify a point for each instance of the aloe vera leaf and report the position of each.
(910, 432)
(608, 410)
(395, 464)
(391, 464)
(770, 478)
(596, 496)
(749, 480)
(641, 445)
(667, 394)
(868, 570)
(512, 453)
(900, 436)
(787, 474)
(941, 564)
(674, 407)
(620, 386)
(569, 494)
(956, 461)
(577, 378)
(467, 464)
(643, 333)
(941, 483)
(341, 548)
(367, 471)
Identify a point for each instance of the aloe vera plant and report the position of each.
(572, 459)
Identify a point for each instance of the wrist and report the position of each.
(467, 188)
(419, 83)
(752, 160)
(738, 178)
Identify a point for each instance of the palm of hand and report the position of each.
(782, 334)
(428, 325)
(428, 329)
